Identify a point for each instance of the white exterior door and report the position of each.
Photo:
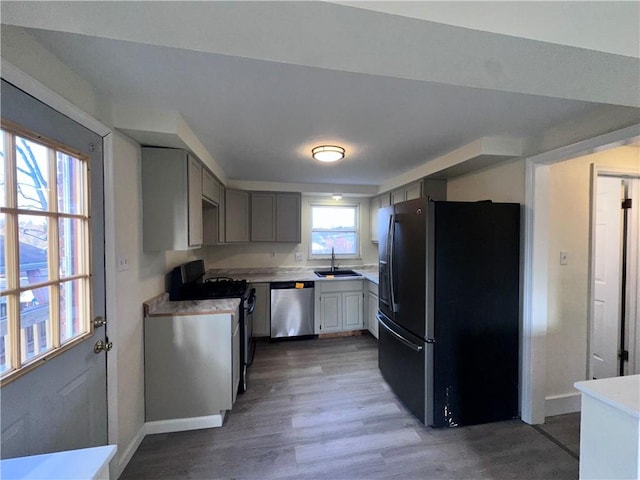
(61, 404)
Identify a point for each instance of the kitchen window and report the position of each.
(337, 227)
(45, 271)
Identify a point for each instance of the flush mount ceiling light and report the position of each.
(327, 153)
(337, 196)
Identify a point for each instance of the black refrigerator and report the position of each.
(449, 309)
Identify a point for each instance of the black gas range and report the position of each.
(188, 282)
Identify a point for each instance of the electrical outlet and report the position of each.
(299, 257)
(273, 253)
(122, 264)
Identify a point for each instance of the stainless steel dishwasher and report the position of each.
(291, 309)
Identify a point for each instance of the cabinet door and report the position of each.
(352, 311)
(288, 214)
(330, 312)
(413, 190)
(374, 206)
(372, 311)
(263, 217)
(236, 216)
(222, 215)
(262, 312)
(195, 202)
(397, 196)
(210, 189)
(165, 199)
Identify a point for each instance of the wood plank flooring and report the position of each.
(319, 409)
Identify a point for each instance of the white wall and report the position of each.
(567, 327)
(259, 255)
(502, 183)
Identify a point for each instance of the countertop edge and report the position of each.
(618, 392)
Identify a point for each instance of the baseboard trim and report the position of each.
(182, 424)
(127, 455)
(561, 404)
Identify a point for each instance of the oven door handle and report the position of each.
(252, 301)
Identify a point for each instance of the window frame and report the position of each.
(358, 231)
(54, 282)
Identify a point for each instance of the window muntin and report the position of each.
(334, 226)
(45, 268)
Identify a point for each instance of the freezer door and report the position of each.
(385, 224)
(404, 362)
(409, 269)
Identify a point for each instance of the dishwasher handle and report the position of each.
(290, 285)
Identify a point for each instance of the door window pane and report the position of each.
(71, 309)
(32, 248)
(70, 174)
(32, 174)
(3, 253)
(34, 322)
(71, 240)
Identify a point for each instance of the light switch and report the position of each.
(564, 257)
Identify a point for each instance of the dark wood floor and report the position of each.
(319, 409)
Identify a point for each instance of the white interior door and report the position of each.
(605, 326)
(61, 404)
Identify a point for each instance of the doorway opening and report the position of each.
(614, 333)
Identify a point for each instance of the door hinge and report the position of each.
(626, 203)
(623, 355)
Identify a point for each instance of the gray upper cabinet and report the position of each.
(288, 217)
(263, 217)
(210, 187)
(275, 217)
(171, 199)
(236, 216)
(407, 192)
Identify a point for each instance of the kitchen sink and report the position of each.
(336, 273)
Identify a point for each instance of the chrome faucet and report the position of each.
(333, 260)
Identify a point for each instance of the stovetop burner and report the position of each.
(187, 284)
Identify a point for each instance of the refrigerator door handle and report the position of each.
(392, 234)
(411, 345)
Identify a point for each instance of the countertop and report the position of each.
(291, 274)
(86, 463)
(161, 306)
(622, 393)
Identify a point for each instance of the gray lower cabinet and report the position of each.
(236, 216)
(338, 306)
(262, 312)
(276, 217)
(192, 367)
(171, 200)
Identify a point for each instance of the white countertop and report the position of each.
(161, 305)
(83, 464)
(619, 392)
(291, 274)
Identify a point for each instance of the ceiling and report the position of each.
(259, 84)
